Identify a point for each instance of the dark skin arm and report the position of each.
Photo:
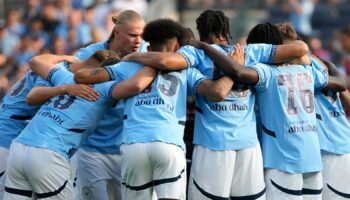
(345, 99)
(174, 61)
(229, 66)
(336, 81)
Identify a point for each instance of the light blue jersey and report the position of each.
(158, 113)
(63, 122)
(107, 135)
(332, 126)
(232, 121)
(286, 103)
(15, 113)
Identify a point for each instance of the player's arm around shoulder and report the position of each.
(134, 85)
(41, 94)
(43, 64)
(287, 52)
(228, 65)
(327, 75)
(158, 60)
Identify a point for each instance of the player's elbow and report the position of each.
(80, 77)
(302, 49)
(31, 101)
(219, 95)
(139, 87)
(33, 62)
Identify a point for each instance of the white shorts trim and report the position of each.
(336, 176)
(282, 185)
(226, 174)
(153, 166)
(39, 172)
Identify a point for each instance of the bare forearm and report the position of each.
(136, 84)
(345, 99)
(294, 50)
(160, 60)
(91, 76)
(216, 90)
(39, 95)
(42, 64)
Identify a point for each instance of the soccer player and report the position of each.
(153, 147)
(99, 158)
(292, 159)
(38, 160)
(231, 139)
(16, 112)
(332, 129)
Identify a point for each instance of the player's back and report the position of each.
(234, 117)
(14, 112)
(63, 122)
(286, 104)
(159, 112)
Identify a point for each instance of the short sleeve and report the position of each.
(122, 70)
(264, 73)
(319, 74)
(41, 82)
(194, 79)
(58, 75)
(106, 89)
(259, 53)
(191, 55)
(86, 52)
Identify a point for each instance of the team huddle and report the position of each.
(108, 122)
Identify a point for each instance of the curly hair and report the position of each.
(265, 33)
(159, 31)
(213, 22)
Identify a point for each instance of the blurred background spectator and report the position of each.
(30, 27)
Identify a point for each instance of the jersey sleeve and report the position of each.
(57, 76)
(194, 79)
(319, 74)
(264, 74)
(106, 89)
(191, 55)
(41, 82)
(88, 51)
(259, 53)
(122, 70)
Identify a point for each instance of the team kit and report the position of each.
(108, 122)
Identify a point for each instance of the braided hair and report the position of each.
(213, 22)
(265, 33)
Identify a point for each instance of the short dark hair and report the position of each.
(213, 22)
(265, 33)
(159, 31)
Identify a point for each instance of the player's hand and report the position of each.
(82, 90)
(238, 54)
(196, 43)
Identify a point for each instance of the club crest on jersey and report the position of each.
(86, 192)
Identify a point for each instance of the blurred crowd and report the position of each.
(58, 27)
(63, 26)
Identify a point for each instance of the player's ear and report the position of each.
(176, 47)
